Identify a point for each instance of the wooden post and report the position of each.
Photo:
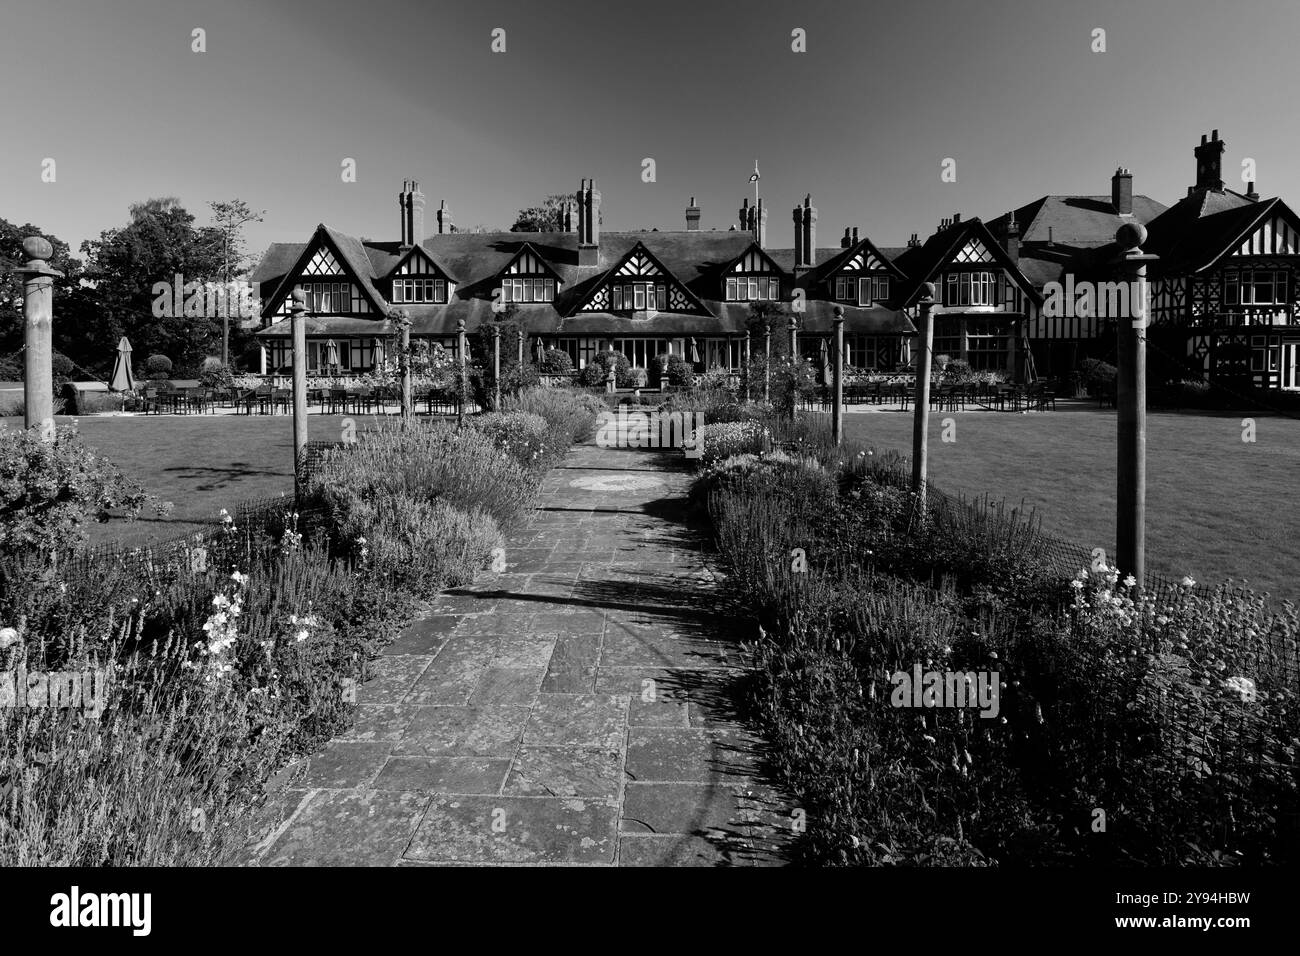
(1131, 408)
(837, 411)
(298, 322)
(462, 346)
(496, 368)
(767, 364)
(921, 419)
(794, 338)
(38, 325)
(406, 369)
(520, 334)
(747, 360)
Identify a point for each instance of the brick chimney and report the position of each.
(1250, 191)
(1209, 163)
(845, 241)
(1012, 243)
(913, 242)
(588, 223)
(445, 223)
(805, 234)
(411, 202)
(1121, 192)
(692, 217)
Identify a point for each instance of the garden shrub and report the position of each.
(50, 491)
(523, 435)
(678, 371)
(556, 362)
(428, 462)
(597, 370)
(417, 545)
(570, 414)
(1097, 376)
(724, 439)
(158, 367)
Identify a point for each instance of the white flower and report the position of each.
(302, 635)
(1187, 582)
(1243, 687)
(239, 578)
(8, 635)
(1130, 581)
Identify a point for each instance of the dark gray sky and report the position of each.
(863, 120)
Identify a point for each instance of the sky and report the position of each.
(863, 119)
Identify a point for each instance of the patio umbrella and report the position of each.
(123, 380)
(695, 352)
(539, 349)
(331, 353)
(824, 357)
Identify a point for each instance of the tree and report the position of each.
(548, 217)
(159, 242)
(11, 286)
(230, 218)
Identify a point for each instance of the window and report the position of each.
(872, 288)
(1255, 287)
(581, 351)
(639, 295)
(420, 290)
(640, 352)
(987, 345)
(724, 353)
(860, 351)
(529, 289)
(752, 288)
(970, 288)
(329, 297)
(948, 338)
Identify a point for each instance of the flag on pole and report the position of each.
(755, 177)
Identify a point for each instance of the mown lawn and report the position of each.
(200, 463)
(1217, 507)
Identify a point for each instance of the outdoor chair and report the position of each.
(337, 400)
(282, 398)
(362, 397)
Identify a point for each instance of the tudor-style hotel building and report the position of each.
(1223, 287)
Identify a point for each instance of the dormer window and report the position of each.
(419, 281)
(753, 288)
(420, 290)
(528, 278)
(527, 289)
(863, 290)
(639, 296)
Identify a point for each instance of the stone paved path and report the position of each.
(575, 709)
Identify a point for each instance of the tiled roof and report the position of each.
(1074, 220)
(1199, 228)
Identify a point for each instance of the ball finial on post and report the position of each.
(1131, 236)
(38, 248)
(927, 291)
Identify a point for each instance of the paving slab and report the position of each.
(581, 708)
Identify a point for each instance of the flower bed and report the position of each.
(231, 653)
(1175, 714)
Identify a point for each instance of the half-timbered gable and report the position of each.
(753, 277)
(639, 282)
(418, 279)
(529, 278)
(335, 277)
(861, 275)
